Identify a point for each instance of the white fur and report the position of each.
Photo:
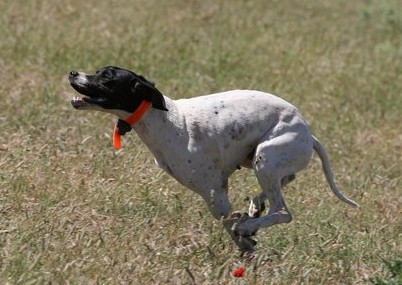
(81, 79)
(201, 141)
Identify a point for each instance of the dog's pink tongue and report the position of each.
(116, 138)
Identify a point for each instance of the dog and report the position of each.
(201, 141)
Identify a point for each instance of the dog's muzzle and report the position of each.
(79, 82)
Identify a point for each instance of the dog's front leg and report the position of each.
(219, 205)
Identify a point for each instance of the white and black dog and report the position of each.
(201, 141)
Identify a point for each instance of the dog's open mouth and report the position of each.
(86, 102)
(89, 98)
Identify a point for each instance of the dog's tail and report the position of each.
(326, 166)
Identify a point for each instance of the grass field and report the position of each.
(75, 211)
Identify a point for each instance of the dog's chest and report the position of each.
(190, 171)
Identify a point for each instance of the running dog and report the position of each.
(201, 141)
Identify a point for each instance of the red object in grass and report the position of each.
(239, 272)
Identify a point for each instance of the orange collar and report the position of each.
(131, 120)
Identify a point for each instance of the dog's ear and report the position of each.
(148, 90)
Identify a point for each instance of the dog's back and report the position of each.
(234, 122)
(234, 112)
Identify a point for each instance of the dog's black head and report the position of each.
(114, 89)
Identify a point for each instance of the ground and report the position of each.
(75, 211)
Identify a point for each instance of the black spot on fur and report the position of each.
(236, 131)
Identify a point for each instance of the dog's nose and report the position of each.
(73, 73)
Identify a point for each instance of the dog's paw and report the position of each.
(246, 244)
(245, 227)
(235, 219)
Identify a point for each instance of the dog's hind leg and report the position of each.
(278, 212)
(257, 204)
(275, 162)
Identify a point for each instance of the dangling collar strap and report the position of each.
(130, 120)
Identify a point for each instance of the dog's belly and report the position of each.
(208, 165)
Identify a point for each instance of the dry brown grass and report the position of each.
(74, 211)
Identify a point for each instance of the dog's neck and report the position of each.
(166, 136)
(157, 128)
